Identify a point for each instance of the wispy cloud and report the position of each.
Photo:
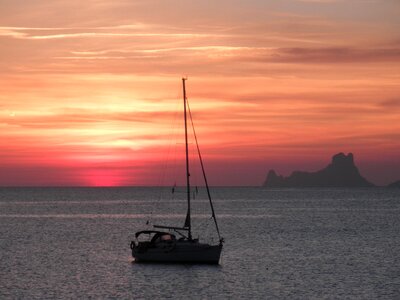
(321, 1)
(96, 32)
(327, 55)
(391, 103)
(336, 1)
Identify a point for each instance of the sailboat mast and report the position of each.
(188, 219)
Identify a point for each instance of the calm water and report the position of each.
(282, 244)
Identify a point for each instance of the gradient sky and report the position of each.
(89, 89)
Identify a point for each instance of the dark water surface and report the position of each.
(280, 244)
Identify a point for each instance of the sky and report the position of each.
(91, 95)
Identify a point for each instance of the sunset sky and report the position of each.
(89, 89)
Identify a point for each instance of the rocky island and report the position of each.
(341, 172)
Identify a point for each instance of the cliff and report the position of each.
(341, 172)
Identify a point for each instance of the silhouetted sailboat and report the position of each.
(164, 246)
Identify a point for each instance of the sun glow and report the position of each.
(103, 178)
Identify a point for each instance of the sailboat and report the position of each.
(175, 244)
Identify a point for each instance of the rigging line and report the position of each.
(193, 174)
(166, 159)
(164, 162)
(173, 163)
(204, 173)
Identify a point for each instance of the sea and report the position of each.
(73, 243)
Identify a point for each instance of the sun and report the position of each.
(102, 178)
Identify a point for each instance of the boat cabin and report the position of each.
(156, 236)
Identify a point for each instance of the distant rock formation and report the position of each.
(395, 184)
(341, 172)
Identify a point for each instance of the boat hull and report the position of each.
(180, 252)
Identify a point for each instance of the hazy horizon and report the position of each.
(181, 185)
